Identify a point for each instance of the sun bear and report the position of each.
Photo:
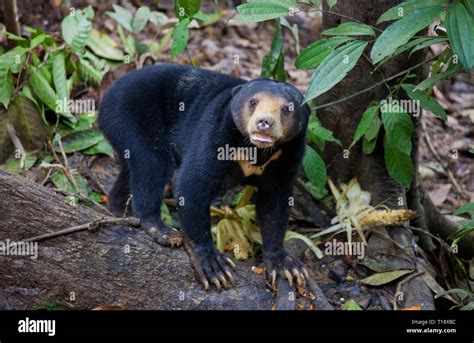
(172, 122)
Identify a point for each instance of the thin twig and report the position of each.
(91, 226)
(375, 85)
(65, 170)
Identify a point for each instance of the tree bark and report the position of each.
(111, 266)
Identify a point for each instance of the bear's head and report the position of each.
(268, 112)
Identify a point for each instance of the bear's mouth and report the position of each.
(261, 139)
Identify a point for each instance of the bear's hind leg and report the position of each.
(149, 171)
(119, 193)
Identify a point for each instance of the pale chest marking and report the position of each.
(250, 169)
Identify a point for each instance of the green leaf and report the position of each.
(27, 122)
(75, 30)
(62, 182)
(331, 3)
(367, 120)
(467, 208)
(379, 279)
(79, 141)
(59, 76)
(427, 42)
(123, 16)
(401, 31)
(13, 165)
(261, 11)
(186, 8)
(140, 19)
(399, 164)
(6, 85)
(407, 7)
(180, 37)
(470, 6)
(103, 147)
(427, 102)
(350, 29)
(322, 133)
(158, 18)
(270, 61)
(368, 146)
(166, 215)
(102, 45)
(433, 80)
(314, 168)
(317, 51)
(89, 73)
(334, 68)
(460, 30)
(42, 88)
(351, 305)
(398, 126)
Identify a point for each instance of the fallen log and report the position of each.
(111, 266)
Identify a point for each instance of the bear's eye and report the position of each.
(253, 102)
(285, 110)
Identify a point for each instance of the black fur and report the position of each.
(140, 115)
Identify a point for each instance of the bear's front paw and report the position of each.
(281, 263)
(212, 267)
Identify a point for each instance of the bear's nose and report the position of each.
(265, 123)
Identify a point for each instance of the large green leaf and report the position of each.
(75, 30)
(28, 123)
(104, 46)
(42, 88)
(470, 6)
(140, 19)
(402, 30)
(270, 61)
(6, 85)
(367, 120)
(180, 37)
(14, 165)
(427, 102)
(460, 30)
(350, 29)
(103, 147)
(334, 68)
(317, 51)
(186, 8)
(79, 141)
(322, 133)
(62, 182)
(407, 7)
(434, 79)
(123, 16)
(466, 208)
(59, 76)
(379, 279)
(314, 168)
(261, 11)
(89, 73)
(399, 165)
(398, 126)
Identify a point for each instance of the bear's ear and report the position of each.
(236, 89)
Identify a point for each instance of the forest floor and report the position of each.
(446, 166)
